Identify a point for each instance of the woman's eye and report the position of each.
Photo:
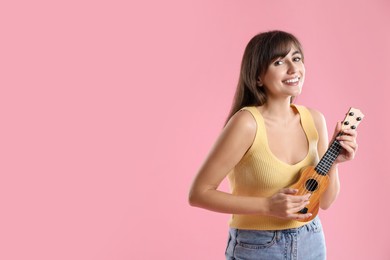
(278, 62)
(297, 59)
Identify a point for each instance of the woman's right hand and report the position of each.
(285, 204)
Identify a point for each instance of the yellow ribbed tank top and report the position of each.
(260, 173)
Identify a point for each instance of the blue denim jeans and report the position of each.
(303, 243)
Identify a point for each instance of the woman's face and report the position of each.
(285, 75)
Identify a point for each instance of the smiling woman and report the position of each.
(265, 143)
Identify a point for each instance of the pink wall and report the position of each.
(108, 109)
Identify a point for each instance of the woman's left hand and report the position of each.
(348, 143)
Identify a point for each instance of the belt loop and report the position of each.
(278, 235)
(308, 226)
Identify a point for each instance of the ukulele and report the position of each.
(315, 180)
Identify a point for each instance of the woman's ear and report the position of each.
(259, 82)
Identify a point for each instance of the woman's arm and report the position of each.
(234, 141)
(349, 145)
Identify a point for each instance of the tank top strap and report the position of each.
(307, 122)
(261, 136)
(256, 115)
(254, 111)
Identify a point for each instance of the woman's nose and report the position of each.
(292, 68)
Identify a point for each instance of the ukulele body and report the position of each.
(314, 183)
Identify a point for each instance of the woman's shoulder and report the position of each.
(243, 120)
(239, 132)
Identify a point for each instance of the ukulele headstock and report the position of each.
(352, 119)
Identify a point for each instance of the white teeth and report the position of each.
(292, 80)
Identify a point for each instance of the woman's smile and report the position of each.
(292, 81)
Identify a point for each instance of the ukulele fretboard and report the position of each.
(328, 159)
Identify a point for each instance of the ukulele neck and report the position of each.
(328, 159)
(351, 121)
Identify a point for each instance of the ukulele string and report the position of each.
(333, 154)
(318, 178)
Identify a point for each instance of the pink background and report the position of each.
(108, 108)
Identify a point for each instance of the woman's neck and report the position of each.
(277, 109)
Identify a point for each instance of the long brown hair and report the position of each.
(260, 52)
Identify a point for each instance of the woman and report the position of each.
(263, 146)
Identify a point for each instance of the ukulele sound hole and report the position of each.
(311, 185)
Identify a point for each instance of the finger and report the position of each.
(298, 206)
(350, 132)
(299, 216)
(288, 191)
(349, 144)
(346, 155)
(294, 202)
(346, 144)
(337, 130)
(346, 138)
(299, 200)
